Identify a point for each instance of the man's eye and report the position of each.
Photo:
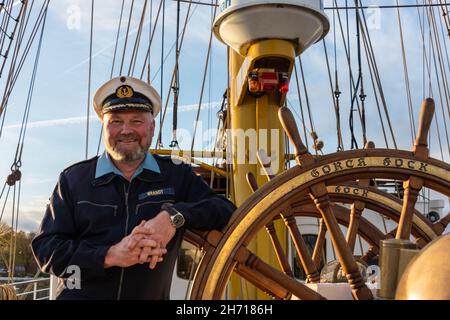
(115, 121)
(137, 121)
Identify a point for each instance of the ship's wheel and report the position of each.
(341, 177)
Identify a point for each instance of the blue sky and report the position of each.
(57, 123)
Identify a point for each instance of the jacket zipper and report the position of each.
(127, 210)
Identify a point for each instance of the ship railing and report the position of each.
(34, 289)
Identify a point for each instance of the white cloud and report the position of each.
(53, 122)
(93, 118)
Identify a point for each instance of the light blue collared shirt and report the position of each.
(105, 166)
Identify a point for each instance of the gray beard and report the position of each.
(129, 156)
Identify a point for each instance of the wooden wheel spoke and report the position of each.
(319, 195)
(302, 250)
(267, 275)
(263, 283)
(414, 184)
(270, 227)
(265, 163)
(312, 275)
(372, 252)
(412, 189)
(345, 255)
(440, 226)
(357, 210)
(281, 256)
(318, 248)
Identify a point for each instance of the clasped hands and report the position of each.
(146, 243)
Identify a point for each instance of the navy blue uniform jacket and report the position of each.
(87, 215)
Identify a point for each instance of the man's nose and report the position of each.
(126, 128)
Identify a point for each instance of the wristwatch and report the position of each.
(176, 217)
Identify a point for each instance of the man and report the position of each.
(119, 218)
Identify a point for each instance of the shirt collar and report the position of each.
(105, 166)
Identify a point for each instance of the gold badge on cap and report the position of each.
(124, 92)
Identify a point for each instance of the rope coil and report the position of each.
(7, 292)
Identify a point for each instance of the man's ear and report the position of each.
(152, 126)
(152, 120)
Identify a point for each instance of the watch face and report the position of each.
(178, 220)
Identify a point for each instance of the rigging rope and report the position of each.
(427, 63)
(176, 82)
(337, 91)
(11, 37)
(147, 56)
(377, 102)
(117, 41)
(203, 83)
(424, 51)
(18, 158)
(347, 46)
(13, 238)
(5, 22)
(431, 25)
(126, 37)
(376, 73)
(210, 76)
(334, 98)
(308, 107)
(149, 38)
(187, 19)
(6, 199)
(112, 68)
(137, 41)
(301, 105)
(442, 68)
(445, 15)
(447, 60)
(4, 104)
(362, 94)
(15, 168)
(14, 72)
(352, 84)
(88, 104)
(412, 127)
(160, 144)
(353, 90)
(221, 129)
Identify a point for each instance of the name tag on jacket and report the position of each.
(157, 193)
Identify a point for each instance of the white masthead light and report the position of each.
(244, 22)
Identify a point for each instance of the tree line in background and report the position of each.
(25, 265)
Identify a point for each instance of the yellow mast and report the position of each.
(256, 119)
